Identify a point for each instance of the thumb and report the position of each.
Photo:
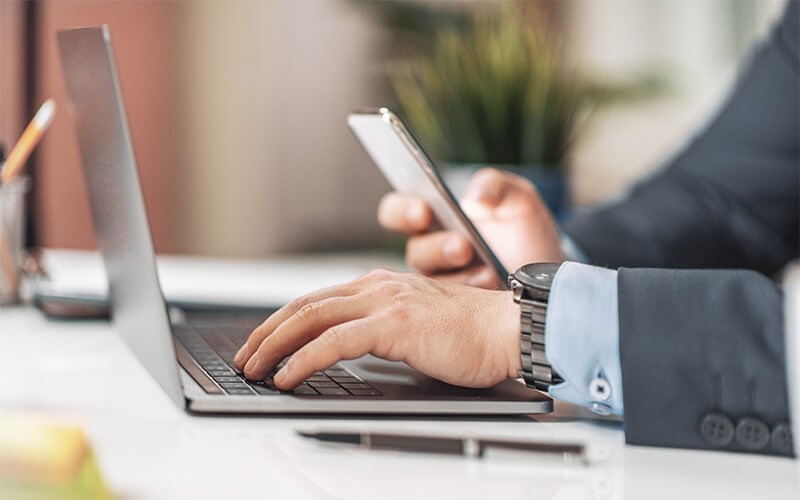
(494, 192)
(488, 187)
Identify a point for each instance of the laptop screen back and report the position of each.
(115, 199)
(792, 321)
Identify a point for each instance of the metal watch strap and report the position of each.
(536, 369)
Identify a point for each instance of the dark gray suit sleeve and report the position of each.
(730, 198)
(701, 351)
(700, 344)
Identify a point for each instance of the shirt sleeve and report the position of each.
(582, 337)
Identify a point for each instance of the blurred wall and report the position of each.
(144, 37)
(237, 113)
(270, 165)
(12, 71)
(696, 45)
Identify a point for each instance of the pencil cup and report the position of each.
(12, 230)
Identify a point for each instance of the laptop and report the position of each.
(189, 353)
(792, 346)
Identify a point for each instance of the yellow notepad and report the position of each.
(43, 458)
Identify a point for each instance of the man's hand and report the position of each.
(505, 208)
(461, 335)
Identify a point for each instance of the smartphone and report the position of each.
(401, 159)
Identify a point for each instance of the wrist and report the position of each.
(511, 322)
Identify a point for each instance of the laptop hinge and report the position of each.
(194, 370)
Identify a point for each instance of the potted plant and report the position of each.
(494, 90)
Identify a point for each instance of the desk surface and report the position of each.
(148, 448)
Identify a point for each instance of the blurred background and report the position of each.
(237, 109)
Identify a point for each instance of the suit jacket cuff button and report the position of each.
(599, 389)
(717, 429)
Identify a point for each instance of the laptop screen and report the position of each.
(116, 202)
(792, 336)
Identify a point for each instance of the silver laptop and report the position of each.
(190, 353)
(792, 346)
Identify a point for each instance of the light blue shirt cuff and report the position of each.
(582, 337)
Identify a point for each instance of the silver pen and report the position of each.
(466, 446)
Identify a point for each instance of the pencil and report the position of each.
(8, 265)
(27, 142)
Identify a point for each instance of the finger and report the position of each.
(491, 189)
(268, 326)
(480, 276)
(488, 186)
(439, 251)
(349, 340)
(301, 328)
(403, 213)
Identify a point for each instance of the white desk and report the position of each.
(148, 448)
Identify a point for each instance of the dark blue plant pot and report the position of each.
(552, 185)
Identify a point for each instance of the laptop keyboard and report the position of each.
(213, 340)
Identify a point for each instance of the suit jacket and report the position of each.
(701, 349)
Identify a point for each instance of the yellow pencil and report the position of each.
(8, 266)
(27, 142)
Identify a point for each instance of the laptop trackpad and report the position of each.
(397, 380)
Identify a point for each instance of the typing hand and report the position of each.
(462, 335)
(505, 208)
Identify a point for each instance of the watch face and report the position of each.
(537, 275)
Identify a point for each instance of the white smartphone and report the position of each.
(410, 170)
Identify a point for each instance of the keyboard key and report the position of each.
(333, 391)
(234, 385)
(227, 380)
(243, 391)
(345, 379)
(206, 358)
(337, 372)
(214, 366)
(265, 391)
(222, 373)
(318, 378)
(365, 392)
(359, 385)
(304, 390)
(326, 384)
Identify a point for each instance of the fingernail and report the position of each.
(454, 249)
(237, 360)
(487, 192)
(489, 195)
(473, 193)
(414, 213)
(281, 375)
(251, 365)
(481, 279)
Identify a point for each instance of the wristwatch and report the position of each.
(531, 287)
